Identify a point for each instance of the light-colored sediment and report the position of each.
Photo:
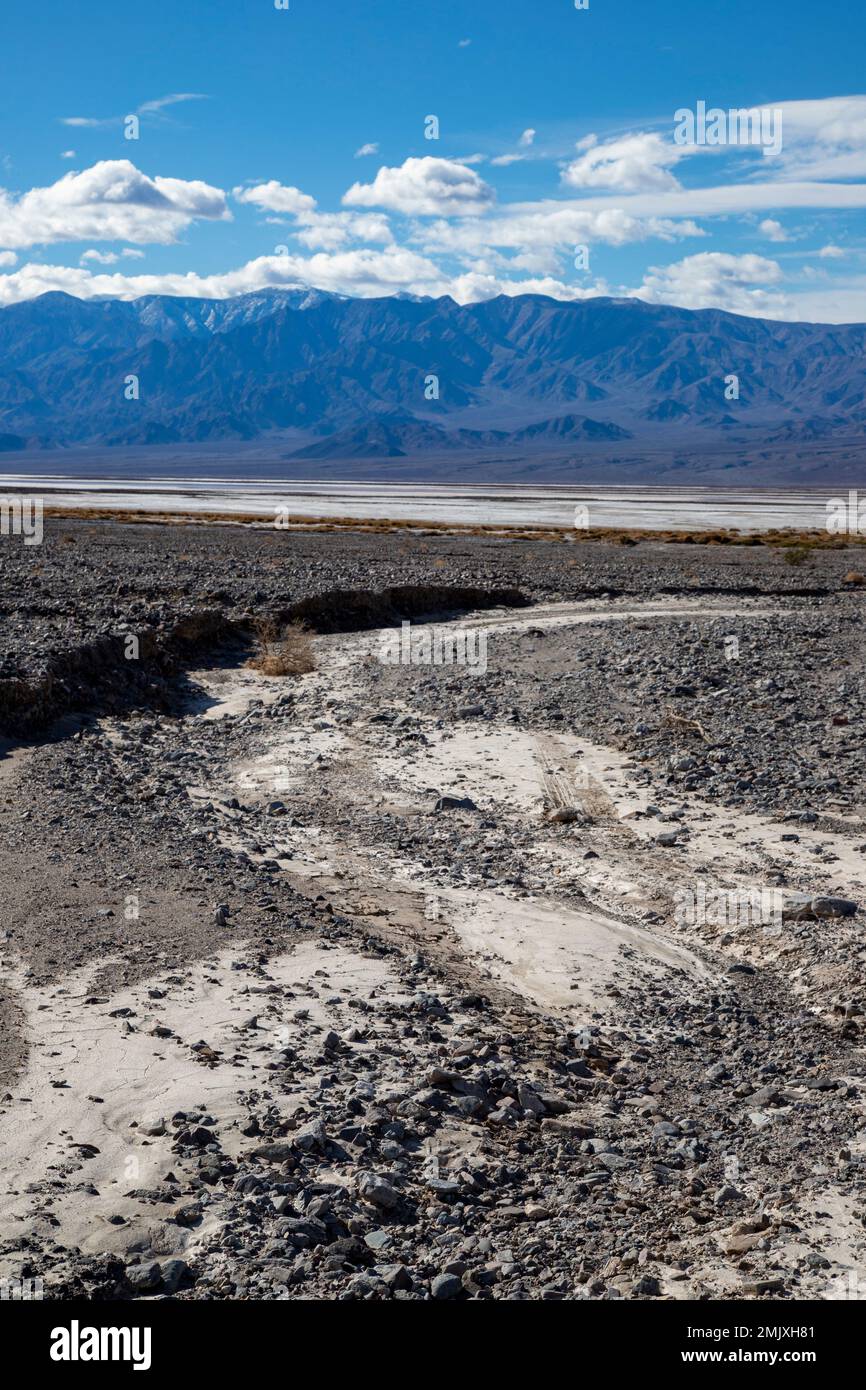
(524, 774)
(577, 936)
(98, 1076)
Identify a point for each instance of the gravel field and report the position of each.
(535, 975)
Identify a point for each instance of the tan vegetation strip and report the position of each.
(797, 540)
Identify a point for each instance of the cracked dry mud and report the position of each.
(292, 1032)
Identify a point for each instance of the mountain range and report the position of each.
(314, 378)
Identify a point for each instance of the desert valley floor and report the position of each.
(387, 981)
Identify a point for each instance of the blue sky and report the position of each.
(304, 130)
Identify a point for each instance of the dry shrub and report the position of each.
(795, 554)
(286, 651)
(786, 537)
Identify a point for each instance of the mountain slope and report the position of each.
(355, 378)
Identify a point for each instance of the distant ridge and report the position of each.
(321, 376)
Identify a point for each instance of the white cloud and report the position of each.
(325, 231)
(714, 279)
(476, 286)
(836, 303)
(526, 141)
(464, 43)
(559, 226)
(328, 231)
(364, 273)
(628, 165)
(425, 187)
(824, 139)
(147, 108)
(735, 283)
(722, 199)
(171, 100)
(625, 192)
(275, 197)
(773, 230)
(110, 257)
(112, 201)
(68, 154)
(541, 260)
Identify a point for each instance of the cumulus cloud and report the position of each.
(67, 154)
(715, 279)
(362, 272)
(112, 201)
(773, 230)
(735, 283)
(275, 197)
(458, 240)
(325, 231)
(475, 286)
(627, 165)
(427, 187)
(328, 231)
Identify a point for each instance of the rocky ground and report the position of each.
(415, 982)
(68, 605)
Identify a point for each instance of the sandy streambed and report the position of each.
(530, 925)
(547, 946)
(82, 1137)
